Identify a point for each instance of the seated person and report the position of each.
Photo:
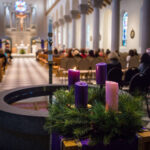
(113, 61)
(56, 53)
(91, 53)
(145, 62)
(107, 53)
(70, 53)
(2, 55)
(131, 54)
(148, 51)
(83, 53)
(76, 53)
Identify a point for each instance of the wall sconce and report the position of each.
(100, 37)
(91, 38)
(132, 34)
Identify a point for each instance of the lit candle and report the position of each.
(112, 95)
(81, 94)
(73, 77)
(101, 73)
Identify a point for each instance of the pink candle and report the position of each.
(112, 89)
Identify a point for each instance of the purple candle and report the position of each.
(81, 94)
(73, 76)
(101, 73)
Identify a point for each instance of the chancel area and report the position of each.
(74, 74)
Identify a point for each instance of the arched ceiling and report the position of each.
(105, 3)
(90, 10)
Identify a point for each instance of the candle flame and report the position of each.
(75, 68)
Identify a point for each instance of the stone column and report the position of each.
(11, 16)
(67, 19)
(74, 14)
(83, 11)
(31, 17)
(28, 20)
(56, 24)
(13, 19)
(54, 38)
(96, 22)
(145, 40)
(115, 25)
(61, 22)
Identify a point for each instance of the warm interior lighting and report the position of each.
(75, 68)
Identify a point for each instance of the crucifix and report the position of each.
(21, 16)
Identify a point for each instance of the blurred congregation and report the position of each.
(84, 33)
(89, 59)
(121, 67)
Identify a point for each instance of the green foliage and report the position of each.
(95, 123)
(22, 51)
(95, 95)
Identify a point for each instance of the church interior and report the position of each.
(74, 74)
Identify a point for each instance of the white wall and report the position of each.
(133, 7)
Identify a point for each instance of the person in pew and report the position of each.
(77, 56)
(76, 53)
(148, 51)
(46, 51)
(56, 53)
(83, 53)
(70, 53)
(113, 61)
(130, 54)
(91, 53)
(8, 53)
(97, 53)
(145, 62)
(107, 53)
(117, 52)
(2, 55)
(135, 52)
(101, 52)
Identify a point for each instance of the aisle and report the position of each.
(25, 72)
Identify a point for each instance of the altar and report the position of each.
(22, 46)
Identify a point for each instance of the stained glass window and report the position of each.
(125, 27)
(20, 6)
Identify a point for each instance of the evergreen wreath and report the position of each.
(95, 123)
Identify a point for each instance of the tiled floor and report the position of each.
(25, 72)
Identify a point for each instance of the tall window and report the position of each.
(20, 6)
(125, 28)
(50, 3)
